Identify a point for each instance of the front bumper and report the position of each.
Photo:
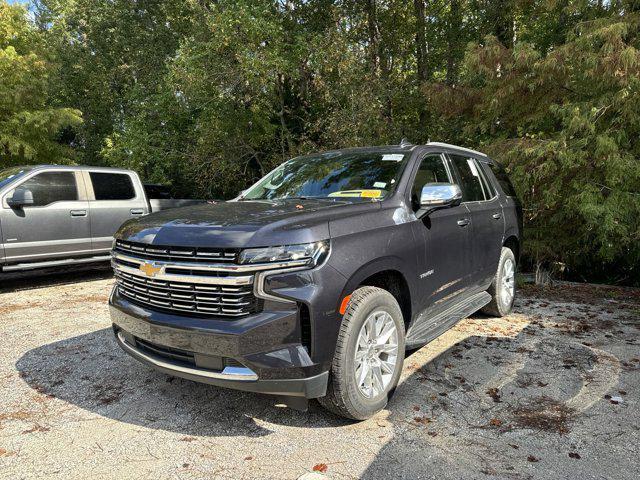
(261, 352)
(230, 377)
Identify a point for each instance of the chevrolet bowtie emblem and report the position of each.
(149, 269)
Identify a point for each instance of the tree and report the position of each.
(567, 126)
(31, 126)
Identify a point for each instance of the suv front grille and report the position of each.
(154, 277)
(187, 297)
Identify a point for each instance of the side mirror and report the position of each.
(440, 195)
(21, 197)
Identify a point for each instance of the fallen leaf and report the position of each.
(320, 467)
(248, 458)
(423, 420)
(532, 459)
(495, 422)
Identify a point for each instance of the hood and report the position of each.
(242, 224)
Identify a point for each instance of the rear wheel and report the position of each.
(369, 355)
(503, 286)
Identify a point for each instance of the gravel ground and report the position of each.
(548, 392)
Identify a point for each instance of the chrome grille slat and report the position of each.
(190, 299)
(196, 254)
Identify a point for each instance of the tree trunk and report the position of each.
(453, 41)
(372, 28)
(421, 44)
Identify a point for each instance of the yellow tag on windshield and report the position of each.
(358, 193)
(371, 193)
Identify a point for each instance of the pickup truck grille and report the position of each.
(190, 286)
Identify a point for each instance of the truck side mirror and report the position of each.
(440, 195)
(21, 197)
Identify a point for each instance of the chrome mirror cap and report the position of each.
(435, 195)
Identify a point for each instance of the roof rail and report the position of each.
(448, 145)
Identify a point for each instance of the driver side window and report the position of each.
(431, 170)
(50, 187)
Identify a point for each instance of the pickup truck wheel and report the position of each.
(368, 357)
(503, 286)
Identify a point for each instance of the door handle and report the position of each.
(136, 211)
(78, 213)
(463, 222)
(496, 216)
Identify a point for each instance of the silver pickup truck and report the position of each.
(61, 215)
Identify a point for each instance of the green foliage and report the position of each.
(567, 125)
(208, 96)
(30, 125)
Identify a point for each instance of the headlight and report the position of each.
(306, 253)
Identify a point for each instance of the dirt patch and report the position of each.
(543, 413)
(61, 303)
(587, 294)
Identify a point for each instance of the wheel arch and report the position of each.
(387, 274)
(513, 243)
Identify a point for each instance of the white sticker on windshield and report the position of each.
(393, 157)
(379, 184)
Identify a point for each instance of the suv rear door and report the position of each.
(487, 223)
(114, 198)
(55, 226)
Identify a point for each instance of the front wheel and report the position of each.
(368, 357)
(503, 286)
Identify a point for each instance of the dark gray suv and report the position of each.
(315, 280)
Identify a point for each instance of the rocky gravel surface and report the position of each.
(549, 392)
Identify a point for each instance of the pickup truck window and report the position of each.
(112, 186)
(50, 187)
(469, 177)
(356, 175)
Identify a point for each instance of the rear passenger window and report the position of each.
(503, 179)
(469, 177)
(487, 185)
(112, 186)
(50, 187)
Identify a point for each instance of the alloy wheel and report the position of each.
(507, 290)
(376, 354)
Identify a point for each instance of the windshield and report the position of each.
(332, 175)
(8, 175)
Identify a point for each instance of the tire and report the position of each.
(501, 302)
(347, 397)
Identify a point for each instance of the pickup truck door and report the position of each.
(445, 237)
(55, 226)
(114, 198)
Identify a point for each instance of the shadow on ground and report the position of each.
(29, 280)
(484, 399)
(91, 372)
